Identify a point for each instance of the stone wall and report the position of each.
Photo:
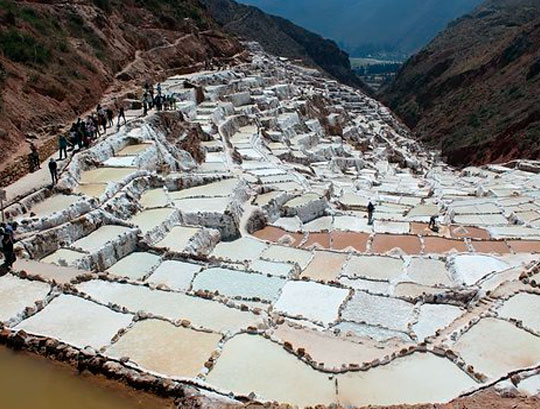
(20, 166)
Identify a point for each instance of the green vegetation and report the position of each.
(23, 48)
(174, 11)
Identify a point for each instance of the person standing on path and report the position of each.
(121, 115)
(34, 158)
(53, 168)
(62, 147)
(110, 117)
(370, 211)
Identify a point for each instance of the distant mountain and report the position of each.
(475, 89)
(281, 37)
(362, 27)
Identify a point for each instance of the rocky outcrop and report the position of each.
(473, 90)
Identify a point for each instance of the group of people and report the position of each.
(7, 242)
(159, 101)
(83, 133)
(433, 225)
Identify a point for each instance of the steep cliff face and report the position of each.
(474, 90)
(59, 58)
(281, 37)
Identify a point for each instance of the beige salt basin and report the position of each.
(178, 238)
(148, 220)
(97, 239)
(202, 313)
(48, 271)
(64, 257)
(154, 198)
(216, 189)
(523, 307)
(51, 205)
(105, 175)
(91, 189)
(414, 379)
(131, 150)
(495, 347)
(251, 363)
(161, 347)
(136, 265)
(16, 294)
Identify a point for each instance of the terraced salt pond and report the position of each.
(255, 276)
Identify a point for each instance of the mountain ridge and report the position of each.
(473, 91)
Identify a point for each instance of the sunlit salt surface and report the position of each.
(178, 238)
(273, 268)
(135, 265)
(161, 347)
(523, 307)
(105, 175)
(242, 249)
(471, 268)
(530, 386)
(16, 294)
(47, 271)
(91, 189)
(325, 266)
(331, 350)
(177, 275)
(63, 257)
(209, 205)
(370, 331)
(417, 378)
(222, 188)
(374, 267)
(52, 205)
(288, 254)
(234, 283)
(133, 149)
(313, 301)
(76, 321)
(374, 287)
(433, 317)
(174, 306)
(148, 220)
(154, 198)
(496, 347)
(429, 272)
(388, 312)
(95, 240)
(248, 362)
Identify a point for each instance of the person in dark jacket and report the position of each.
(370, 211)
(53, 168)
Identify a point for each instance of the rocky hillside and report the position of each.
(58, 58)
(281, 37)
(474, 90)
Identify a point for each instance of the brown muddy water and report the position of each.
(32, 382)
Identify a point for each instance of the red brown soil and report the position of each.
(343, 240)
(386, 242)
(95, 54)
(499, 247)
(275, 234)
(524, 246)
(472, 233)
(317, 240)
(439, 245)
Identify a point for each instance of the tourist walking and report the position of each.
(110, 117)
(121, 115)
(53, 168)
(370, 211)
(8, 250)
(433, 224)
(62, 147)
(34, 158)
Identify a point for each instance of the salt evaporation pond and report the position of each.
(234, 283)
(174, 306)
(63, 257)
(176, 352)
(178, 238)
(135, 265)
(95, 240)
(52, 205)
(176, 275)
(77, 322)
(148, 220)
(17, 294)
(249, 362)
